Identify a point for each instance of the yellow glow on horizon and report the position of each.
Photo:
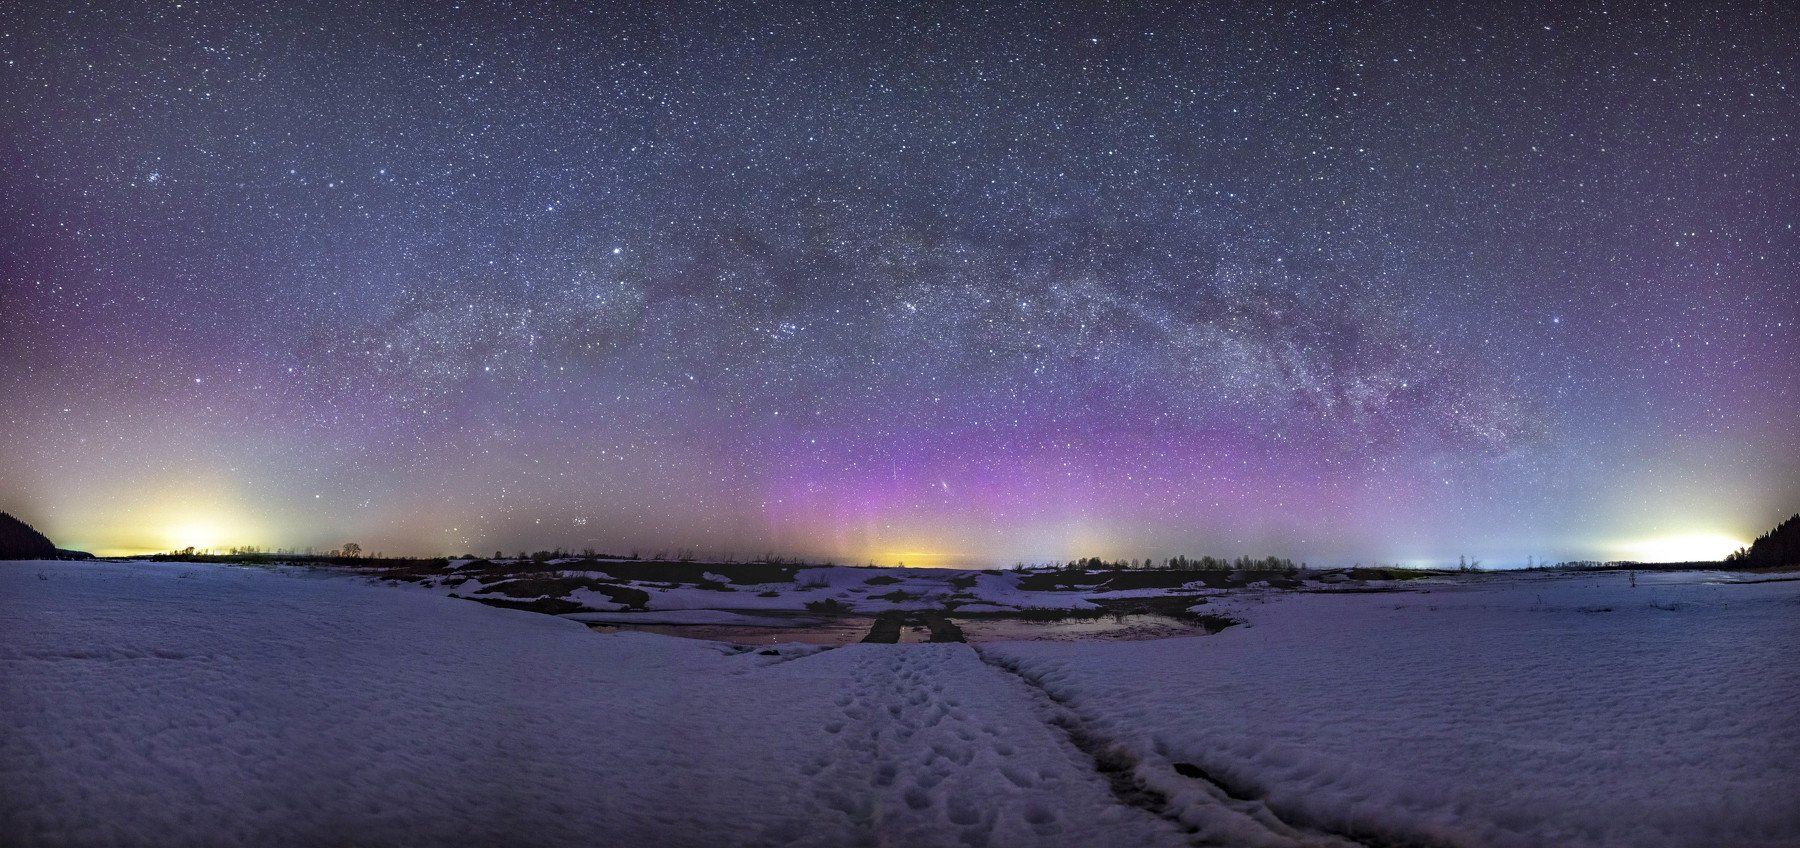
(198, 534)
(911, 557)
(176, 518)
(1691, 547)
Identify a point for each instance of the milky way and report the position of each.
(901, 282)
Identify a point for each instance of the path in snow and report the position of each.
(1569, 709)
(933, 747)
(1217, 813)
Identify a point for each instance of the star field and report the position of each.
(919, 282)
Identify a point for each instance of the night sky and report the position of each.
(911, 282)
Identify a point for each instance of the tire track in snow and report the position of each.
(1229, 815)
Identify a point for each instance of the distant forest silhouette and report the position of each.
(1778, 547)
(19, 540)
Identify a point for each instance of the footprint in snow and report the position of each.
(962, 811)
(1017, 777)
(917, 798)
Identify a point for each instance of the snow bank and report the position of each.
(846, 585)
(691, 616)
(1003, 590)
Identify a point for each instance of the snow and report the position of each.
(930, 588)
(866, 590)
(984, 607)
(1508, 710)
(846, 585)
(690, 616)
(1003, 590)
(158, 703)
(586, 597)
(206, 705)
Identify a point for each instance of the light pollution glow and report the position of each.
(969, 286)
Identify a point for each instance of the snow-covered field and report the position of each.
(1561, 709)
(179, 704)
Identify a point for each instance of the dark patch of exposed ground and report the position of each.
(547, 606)
(559, 587)
(887, 626)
